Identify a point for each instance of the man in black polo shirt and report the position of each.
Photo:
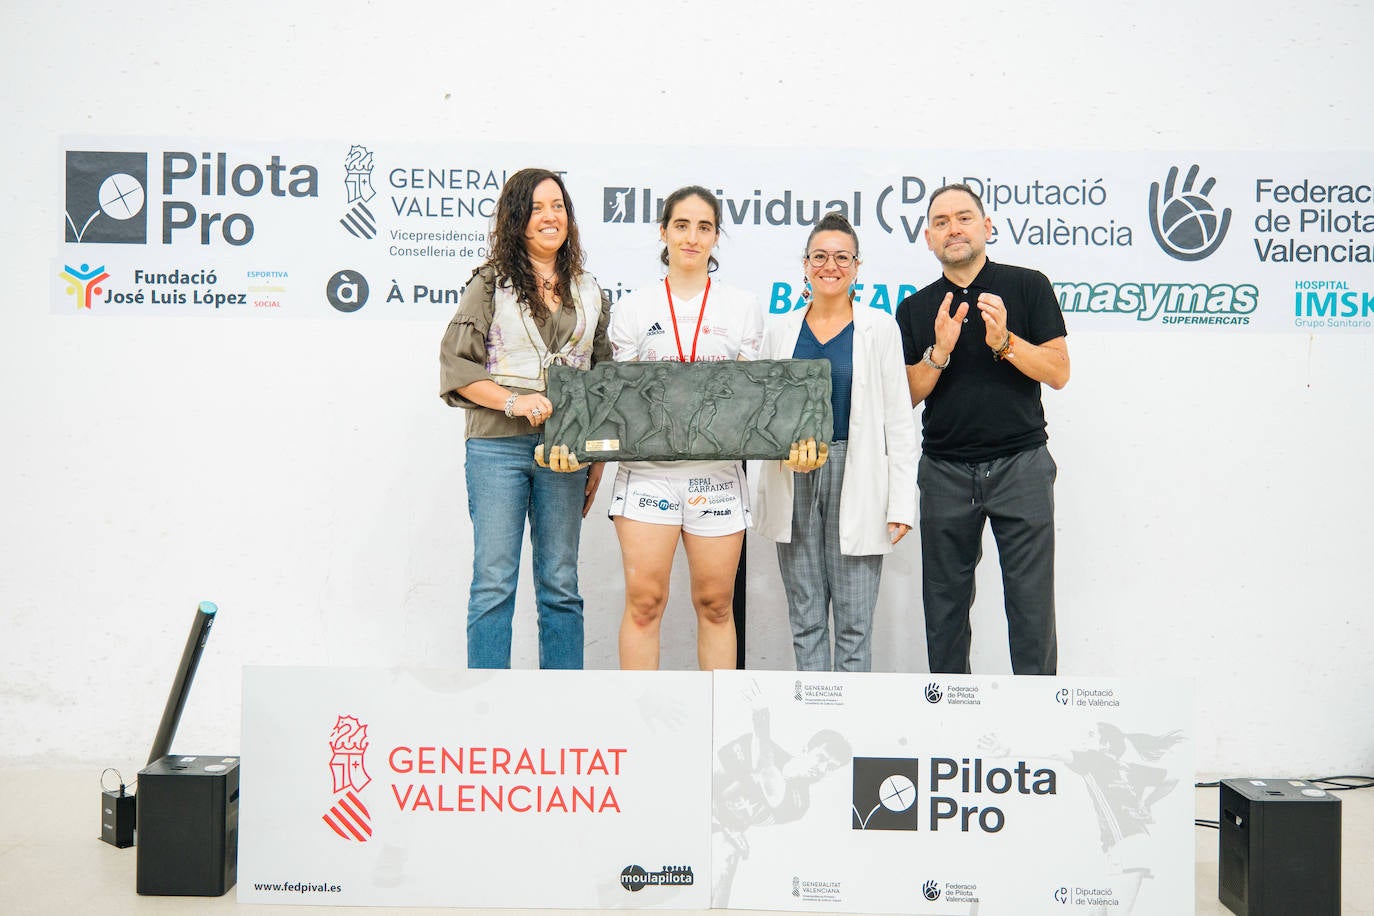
(979, 342)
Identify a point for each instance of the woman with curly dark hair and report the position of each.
(531, 304)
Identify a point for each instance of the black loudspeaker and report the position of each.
(188, 826)
(1280, 851)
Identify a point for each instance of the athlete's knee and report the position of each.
(715, 608)
(644, 605)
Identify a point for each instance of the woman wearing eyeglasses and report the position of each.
(684, 317)
(834, 524)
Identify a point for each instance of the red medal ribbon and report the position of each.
(673, 314)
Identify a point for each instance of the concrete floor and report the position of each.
(52, 862)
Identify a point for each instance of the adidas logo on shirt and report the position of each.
(656, 329)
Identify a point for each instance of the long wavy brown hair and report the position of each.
(508, 257)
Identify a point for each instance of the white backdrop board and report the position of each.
(479, 789)
(237, 226)
(952, 794)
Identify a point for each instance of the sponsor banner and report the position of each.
(476, 789)
(950, 794)
(355, 229)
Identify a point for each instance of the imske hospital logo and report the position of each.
(107, 198)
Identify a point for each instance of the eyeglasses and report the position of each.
(842, 258)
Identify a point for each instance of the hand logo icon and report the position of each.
(1184, 222)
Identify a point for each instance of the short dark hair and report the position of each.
(834, 221)
(957, 186)
(677, 197)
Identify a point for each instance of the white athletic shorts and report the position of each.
(711, 504)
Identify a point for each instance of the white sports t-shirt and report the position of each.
(641, 330)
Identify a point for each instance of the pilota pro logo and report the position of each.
(934, 692)
(107, 198)
(349, 817)
(931, 890)
(1184, 220)
(884, 795)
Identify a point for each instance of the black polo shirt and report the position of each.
(981, 408)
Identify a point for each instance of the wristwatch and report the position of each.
(926, 358)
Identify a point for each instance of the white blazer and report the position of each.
(879, 483)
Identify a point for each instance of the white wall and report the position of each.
(1214, 509)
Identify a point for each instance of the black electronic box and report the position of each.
(1280, 848)
(188, 826)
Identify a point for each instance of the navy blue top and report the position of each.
(840, 351)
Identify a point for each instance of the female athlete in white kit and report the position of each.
(687, 317)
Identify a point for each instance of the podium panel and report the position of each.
(868, 793)
(475, 788)
(943, 794)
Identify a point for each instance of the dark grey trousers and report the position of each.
(1017, 494)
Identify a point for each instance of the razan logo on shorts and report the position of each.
(884, 793)
(662, 505)
(1185, 222)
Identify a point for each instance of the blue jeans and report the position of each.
(505, 487)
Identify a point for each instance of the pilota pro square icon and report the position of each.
(885, 793)
(107, 197)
